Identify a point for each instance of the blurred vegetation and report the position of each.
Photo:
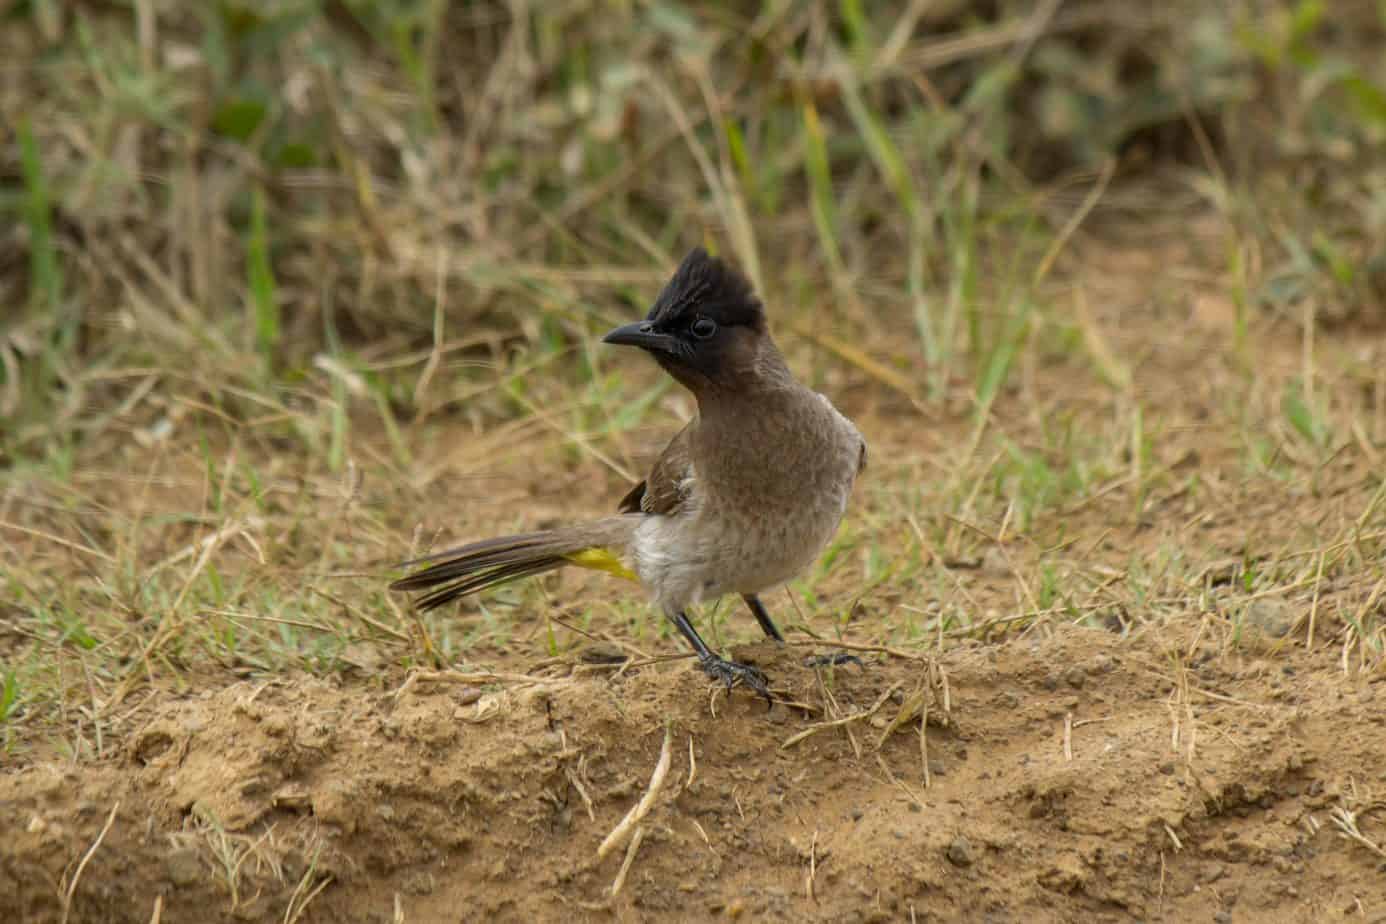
(252, 195)
(290, 290)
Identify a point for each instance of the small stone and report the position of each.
(937, 768)
(1076, 677)
(602, 653)
(960, 852)
(184, 867)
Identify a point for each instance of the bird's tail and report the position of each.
(476, 566)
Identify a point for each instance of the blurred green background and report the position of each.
(258, 196)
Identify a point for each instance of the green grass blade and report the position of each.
(264, 307)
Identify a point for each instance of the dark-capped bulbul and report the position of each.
(744, 498)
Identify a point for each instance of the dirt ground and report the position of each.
(1128, 769)
(1068, 779)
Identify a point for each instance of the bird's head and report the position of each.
(707, 327)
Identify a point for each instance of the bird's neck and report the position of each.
(757, 385)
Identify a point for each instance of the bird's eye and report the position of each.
(704, 328)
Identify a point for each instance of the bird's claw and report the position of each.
(834, 660)
(733, 673)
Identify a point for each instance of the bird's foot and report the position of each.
(733, 674)
(834, 660)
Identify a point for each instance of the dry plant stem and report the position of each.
(477, 679)
(294, 912)
(86, 858)
(623, 645)
(845, 720)
(620, 880)
(924, 743)
(855, 646)
(582, 793)
(58, 540)
(641, 808)
(1314, 607)
(896, 781)
(1346, 822)
(356, 612)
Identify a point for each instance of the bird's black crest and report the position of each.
(709, 287)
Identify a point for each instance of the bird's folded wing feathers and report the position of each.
(670, 480)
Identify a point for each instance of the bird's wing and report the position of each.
(669, 481)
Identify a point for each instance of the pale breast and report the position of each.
(763, 505)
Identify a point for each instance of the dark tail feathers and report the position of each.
(466, 569)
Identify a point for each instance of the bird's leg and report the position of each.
(767, 624)
(729, 672)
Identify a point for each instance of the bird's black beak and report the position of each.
(641, 334)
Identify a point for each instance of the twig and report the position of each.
(86, 858)
(641, 808)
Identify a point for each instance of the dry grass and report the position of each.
(308, 289)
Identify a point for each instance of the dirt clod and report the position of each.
(184, 866)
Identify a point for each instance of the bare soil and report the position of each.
(1070, 778)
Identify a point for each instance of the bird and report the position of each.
(744, 498)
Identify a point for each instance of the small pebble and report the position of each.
(960, 852)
